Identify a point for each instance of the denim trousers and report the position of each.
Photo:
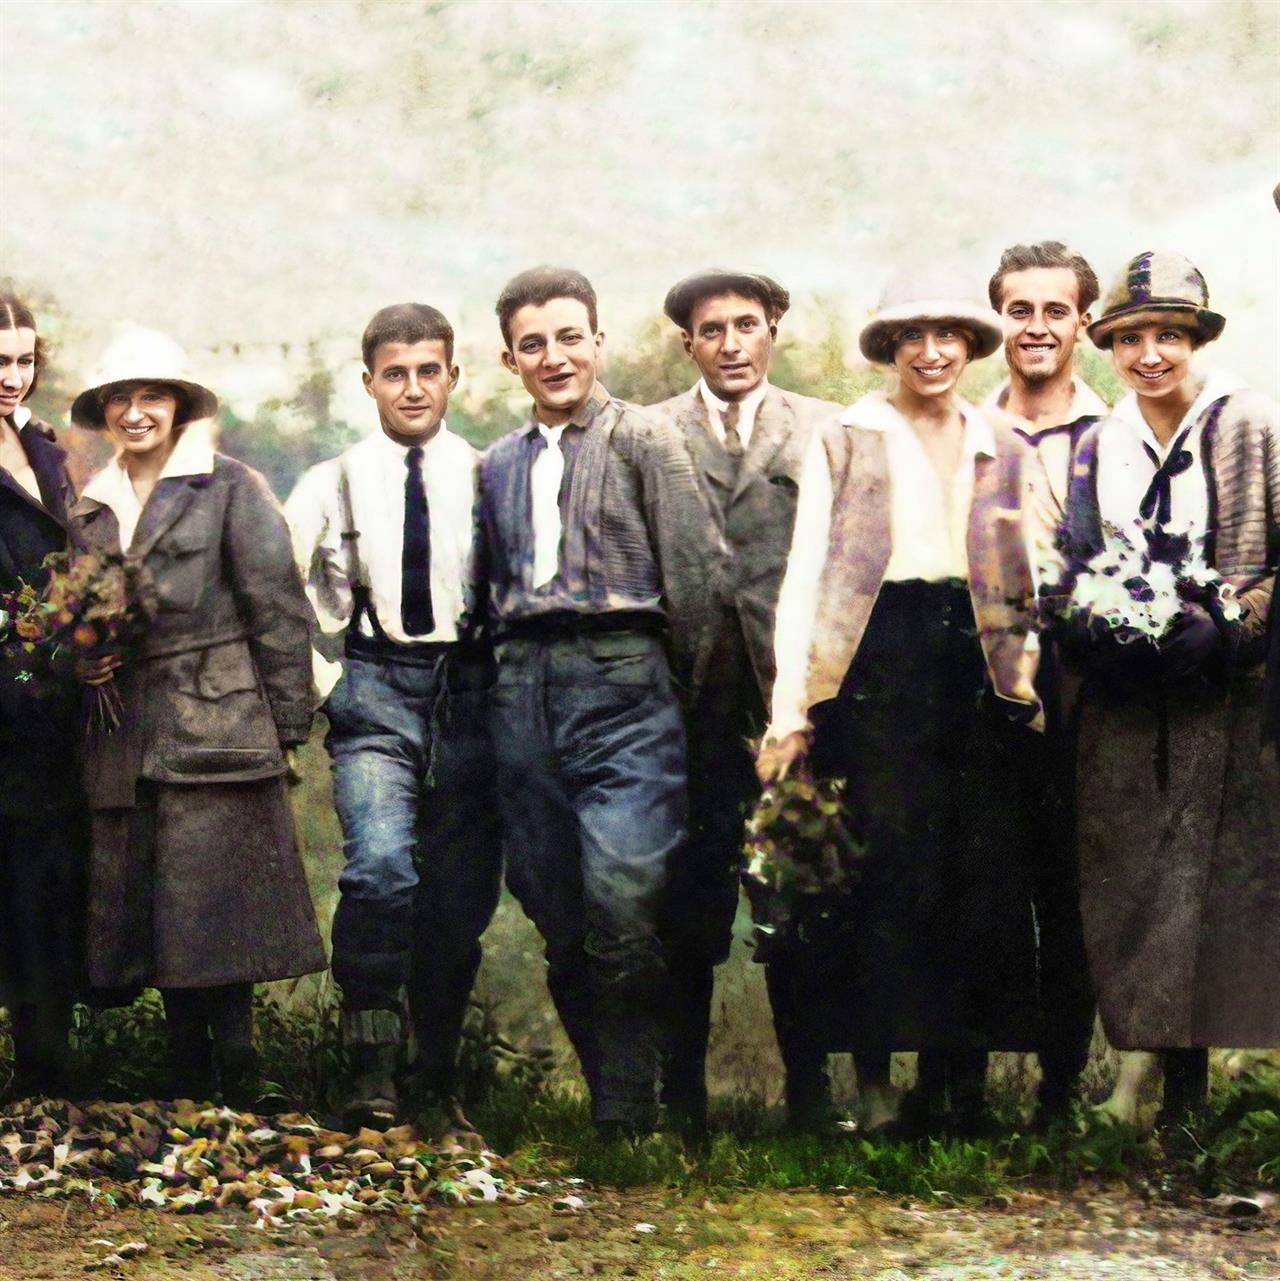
(414, 787)
(591, 757)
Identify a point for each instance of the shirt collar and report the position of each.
(1085, 402)
(395, 450)
(747, 406)
(20, 417)
(585, 416)
(192, 456)
(874, 413)
(1217, 383)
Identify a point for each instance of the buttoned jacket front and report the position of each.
(223, 677)
(753, 505)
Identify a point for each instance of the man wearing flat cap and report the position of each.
(747, 440)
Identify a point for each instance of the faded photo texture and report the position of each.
(256, 178)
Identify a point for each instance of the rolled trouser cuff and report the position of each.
(372, 1027)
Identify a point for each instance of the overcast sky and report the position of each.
(262, 171)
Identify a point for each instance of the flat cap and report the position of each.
(684, 296)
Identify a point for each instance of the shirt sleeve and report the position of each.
(798, 599)
(315, 533)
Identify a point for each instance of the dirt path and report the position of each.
(659, 1236)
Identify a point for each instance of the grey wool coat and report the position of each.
(195, 877)
(1178, 802)
(754, 505)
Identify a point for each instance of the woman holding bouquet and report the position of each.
(904, 667)
(196, 886)
(42, 821)
(1169, 549)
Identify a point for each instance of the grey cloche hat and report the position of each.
(686, 294)
(930, 295)
(141, 356)
(1156, 285)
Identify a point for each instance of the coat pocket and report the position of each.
(179, 578)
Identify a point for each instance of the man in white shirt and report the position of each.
(747, 439)
(384, 537)
(1045, 293)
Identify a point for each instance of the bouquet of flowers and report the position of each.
(1140, 593)
(797, 846)
(93, 604)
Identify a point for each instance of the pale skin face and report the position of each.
(140, 421)
(17, 367)
(411, 383)
(555, 355)
(731, 341)
(1154, 359)
(929, 358)
(1042, 322)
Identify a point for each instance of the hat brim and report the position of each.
(686, 294)
(876, 341)
(86, 412)
(1205, 323)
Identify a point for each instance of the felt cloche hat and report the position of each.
(142, 356)
(934, 296)
(1157, 286)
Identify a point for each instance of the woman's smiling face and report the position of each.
(140, 417)
(1153, 358)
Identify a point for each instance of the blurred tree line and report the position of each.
(286, 434)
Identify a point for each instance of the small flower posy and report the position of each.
(94, 604)
(796, 844)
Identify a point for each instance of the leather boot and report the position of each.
(373, 1040)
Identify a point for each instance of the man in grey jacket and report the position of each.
(747, 439)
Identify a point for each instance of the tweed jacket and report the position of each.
(858, 553)
(223, 678)
(753, 505)
(636, 538)
(1240, 446)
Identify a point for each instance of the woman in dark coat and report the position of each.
(196, 886)
(1178, 805)
(905, 667)
(42, 818)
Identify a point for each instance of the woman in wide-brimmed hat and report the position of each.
(196, 883)
(904, 667)
(42, 845)
(1175, 497)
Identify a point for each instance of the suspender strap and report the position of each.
(361, 599)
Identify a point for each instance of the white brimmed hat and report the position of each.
(142, 356)
(935, 296)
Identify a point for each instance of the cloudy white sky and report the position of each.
(271, 171)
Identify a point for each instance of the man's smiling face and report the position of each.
(1042, 321)
(555, 353)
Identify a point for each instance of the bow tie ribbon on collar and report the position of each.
(1158, 500)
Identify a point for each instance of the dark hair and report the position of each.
(407, 322)
(1047, 253)
(537, 287)
(15, 314)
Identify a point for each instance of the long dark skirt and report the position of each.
(200, 885)
(1178, 813)
(935, 947)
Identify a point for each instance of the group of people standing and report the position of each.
(582, 653)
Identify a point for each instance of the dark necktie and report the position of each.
(732, 441)
(416, 614)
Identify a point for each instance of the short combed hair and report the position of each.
(537, 287)
(407, 322)
(15, 314)
(1047, 253)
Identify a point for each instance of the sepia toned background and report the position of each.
(256, 177)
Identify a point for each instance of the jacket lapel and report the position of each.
(709, 457)
(170, 498)
(49, 462)
(772, 426)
